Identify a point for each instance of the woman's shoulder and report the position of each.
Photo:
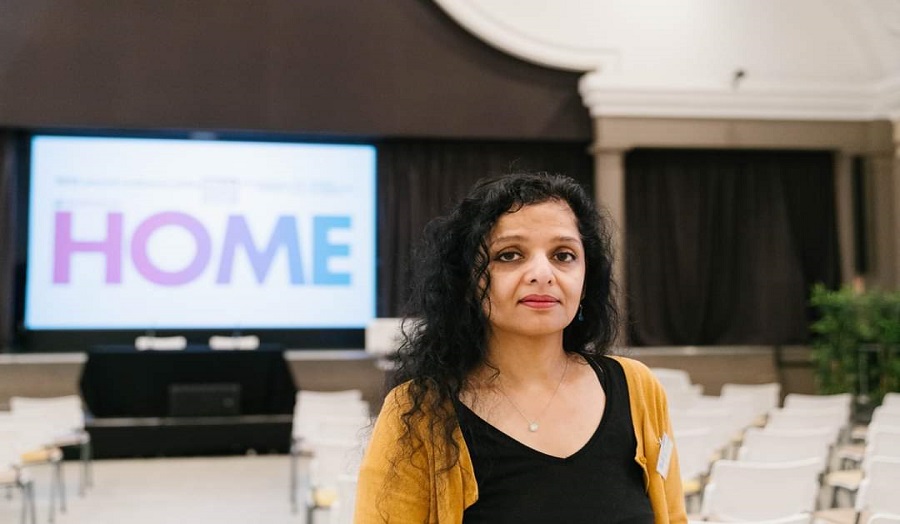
(632, 366)
(404, 396)
(637, 372)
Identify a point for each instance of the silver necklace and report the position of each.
(533, 425)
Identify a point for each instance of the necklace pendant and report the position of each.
(533, 427)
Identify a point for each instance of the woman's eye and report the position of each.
(507, 256)
(565, 256)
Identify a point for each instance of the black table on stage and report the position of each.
(120, 381)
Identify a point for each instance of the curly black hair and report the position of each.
(446, 328)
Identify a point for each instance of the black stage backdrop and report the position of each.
(420, 179)
(8, 195)
(723, 246)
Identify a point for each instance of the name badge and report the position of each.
(665, 455)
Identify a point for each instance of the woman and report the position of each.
(506, 408)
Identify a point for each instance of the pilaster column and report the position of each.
(883, 233)
(609, 193)
(895, 178)
(843, 190)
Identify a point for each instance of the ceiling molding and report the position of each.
(512, 40)
(889, 98)
(621, 98)
(610, 89)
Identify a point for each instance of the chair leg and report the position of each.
(85, 479)
(51, 515)
(62, 486)
(294, 507)
(28, 509)
(24, 487)
(90, 464)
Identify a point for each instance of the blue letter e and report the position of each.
(323, 250)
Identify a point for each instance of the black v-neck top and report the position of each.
(601, 482)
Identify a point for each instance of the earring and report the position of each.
(580, 312)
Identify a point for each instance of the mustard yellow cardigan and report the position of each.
(418, 494)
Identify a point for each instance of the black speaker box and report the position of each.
(204, 400)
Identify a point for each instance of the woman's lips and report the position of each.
(539, 301)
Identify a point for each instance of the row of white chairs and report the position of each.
(809, 428)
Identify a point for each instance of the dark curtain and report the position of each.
(7, 240)
(420, 179)
(723, 246)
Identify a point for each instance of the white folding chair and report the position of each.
(768, 445)
(766, 397)
(891, 401)
(383, 336)
(680, 392)
(853, 451)
(741, 411)
(35, 437)
(878, 493)
(883, 415)
(67, 415)
(884, 518)
(884, 442)
(800, 400)
(343, 510)
(747, 491)
(332, 460)
(695, 454)
(12, 476)
(310, 407)
(842, 402)
(718, 421)
(831, 419)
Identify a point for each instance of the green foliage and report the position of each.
(856, 343)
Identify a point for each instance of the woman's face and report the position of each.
(537, 270)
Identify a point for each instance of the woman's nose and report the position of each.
(540, 271)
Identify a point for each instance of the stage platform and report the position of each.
(189, 436)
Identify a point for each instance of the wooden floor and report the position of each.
(219, 490)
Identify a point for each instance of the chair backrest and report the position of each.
(843, 401)
(761, 445)
(881, 441)
(717, 421)
(741, 410)
(878, 490)
(741, 491)
(67, 411)
(10, 452)
(884, 518)
(766, 397)
(695, 450)
(33, 430)
(891, 401)
(886, 416)
(383, 336)
(312, 406)
(797, 418)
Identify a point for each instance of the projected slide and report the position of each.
(158, 233)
